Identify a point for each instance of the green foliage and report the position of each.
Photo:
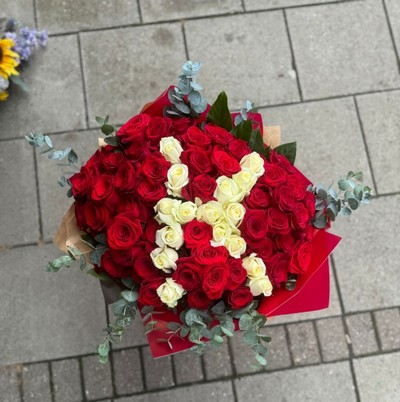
(288, 151)
(243, 130)
(329, 203)
(17, 80)
(185, 98)
(124, 310)
(219, 113)
(242, 116)
(256, 142)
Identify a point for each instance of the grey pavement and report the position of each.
(326, 71)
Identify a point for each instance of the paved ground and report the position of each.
(326, 71)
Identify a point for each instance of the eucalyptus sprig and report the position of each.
(124, 310)
(329, 203)
(186, 99)
(107, 129)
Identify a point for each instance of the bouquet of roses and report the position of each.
(16, 46)
(198, 218)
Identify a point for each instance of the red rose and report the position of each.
(264, 248)
(144, 267)
(202, 186)
(277, 269)
(237, 273)
(133, 131)
(197, 160)
(240, 297)
(139, 211)
(104, 190)
(148, 293)
(151, 192)
(301, 218)
(298, 186)
(238, 148)
(124, 232)
(158, 128)
(125, 257)
(218, 134)
(282, 162)
(258, 198)
(285, 242)
(278, 222)
(224, 163)
(196, 138)
(96, 216)
(81, 182)
(181, 125)
(150, 231)
(301, 259)
(285, 198)
(196, 233)
(126, 178)
(111, 160)
(254, 226)
(274, 175)
(187, 274)
(198, 299)
(310, 202)
(206, 254)
(155, 168)
(215, 279)
(113, 269)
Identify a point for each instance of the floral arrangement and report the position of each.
(16, 46)
(190, 215)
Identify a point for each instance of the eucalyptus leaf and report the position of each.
(107, 129)
(130, 296)
(245, 322)
(250, 337)
(111, 141)
(261, 359)
(102, 276)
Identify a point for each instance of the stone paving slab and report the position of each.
(393, 9)
(66, 379)
(18, 9)
(216, 391)
(9, 383)
(161, 10)
(378, 377)
(127, 371)
(55, 98)
(232, 61)
(302, 384)
(381, 122)
(66, 16)
(188, 367)
(362, 334)
(36, 383)
(97, 378)
(388, 325)
(63, 312)
(141, 63)
(367, 261)
(53, 198)
(328, 136)
(252, 5)
(337, 46)
(18, 196)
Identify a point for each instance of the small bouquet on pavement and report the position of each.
(197, 218)
(16, 46)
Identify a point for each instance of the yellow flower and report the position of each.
(8, 59)
(3, 95)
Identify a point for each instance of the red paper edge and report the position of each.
(315, 282)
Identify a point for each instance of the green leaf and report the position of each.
(173, 326)
(128, 282)
(72, 157)
(101, 238)
(218, 339)
(17, 80)
(103, 359)
(219, 113)
(82, 262)
(250, 338)
(103, 349)
(344, 184)
(245, 322)
(101, 276)
(226, 331)
(256, 142)
(130, 296)
(287, 150)
(107, 129)
(96, 254)
(118, 307)
(261, 359)
(353, 203)
(100, 120)
(259, 349)
(265, 338)
(219, 308)
(111, 141)
(243, 130)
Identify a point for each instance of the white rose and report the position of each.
(261, 285)
(254, 266)
(185, 212)
(234, 213)
(165, 205)
(254, 162)
(245, 179)
(171, 149)
(178, 177)
(211, 212)
(164, 258)
(236, 246)
(227, 190)
(170, 292)
(221, 232)
(170, 236)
